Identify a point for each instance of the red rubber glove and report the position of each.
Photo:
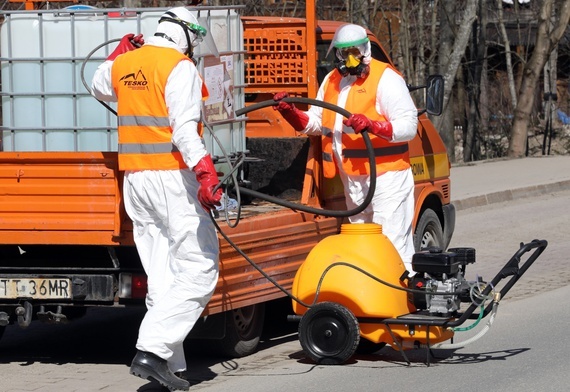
(297, 118)
(128, 42)
(359, 122)
(208, 178)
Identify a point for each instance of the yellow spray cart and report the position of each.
(353, 293)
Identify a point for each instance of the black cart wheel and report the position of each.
(329, 333)
(428, 231)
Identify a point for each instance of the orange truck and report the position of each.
(65, 241)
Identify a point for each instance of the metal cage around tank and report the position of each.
(47, 62)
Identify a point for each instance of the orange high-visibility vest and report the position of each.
(145, 136)
(361, 99)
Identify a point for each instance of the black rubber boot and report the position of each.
(151, 367)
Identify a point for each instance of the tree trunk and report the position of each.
(449, 62)
(446, 36)
(433, 36)
(479, 50)
(420, 61)
(405, 44)
(549, 100)
(508, 56)
(483, 111)
(461, 112)
(545, 43)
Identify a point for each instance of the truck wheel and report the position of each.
(428, 231)
(329, 333)
(243, 331)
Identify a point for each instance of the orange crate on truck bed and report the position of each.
(276, 56)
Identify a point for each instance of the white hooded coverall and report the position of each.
(175, 238)
(393, 203)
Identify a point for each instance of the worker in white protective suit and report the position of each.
(379, 99)
(168, 186)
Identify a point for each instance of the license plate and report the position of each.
(35, 288)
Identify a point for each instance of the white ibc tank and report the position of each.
(45, 105)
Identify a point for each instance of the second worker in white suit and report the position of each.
(378, 96)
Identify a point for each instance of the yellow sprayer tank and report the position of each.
(342, 258)
(360, 269)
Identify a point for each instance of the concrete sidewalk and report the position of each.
(485, 182)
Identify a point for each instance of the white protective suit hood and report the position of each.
(350, 35)
(171, 27)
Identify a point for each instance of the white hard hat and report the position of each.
(351, 36)
(184, 30)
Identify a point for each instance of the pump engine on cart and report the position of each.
(441, 275)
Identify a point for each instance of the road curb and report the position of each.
(511, 194)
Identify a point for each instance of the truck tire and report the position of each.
(2, 329)
(428, 231)
(243, 331)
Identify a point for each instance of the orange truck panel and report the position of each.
(60, 198)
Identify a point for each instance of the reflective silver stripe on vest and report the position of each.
(144, 121)
(327, 157)
(326, 132)
(378, 152)
(153, 148)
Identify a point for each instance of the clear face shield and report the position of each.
(203, 35)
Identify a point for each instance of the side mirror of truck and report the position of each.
(434, 95)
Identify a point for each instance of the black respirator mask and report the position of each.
(355, 65)
(361, 70)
